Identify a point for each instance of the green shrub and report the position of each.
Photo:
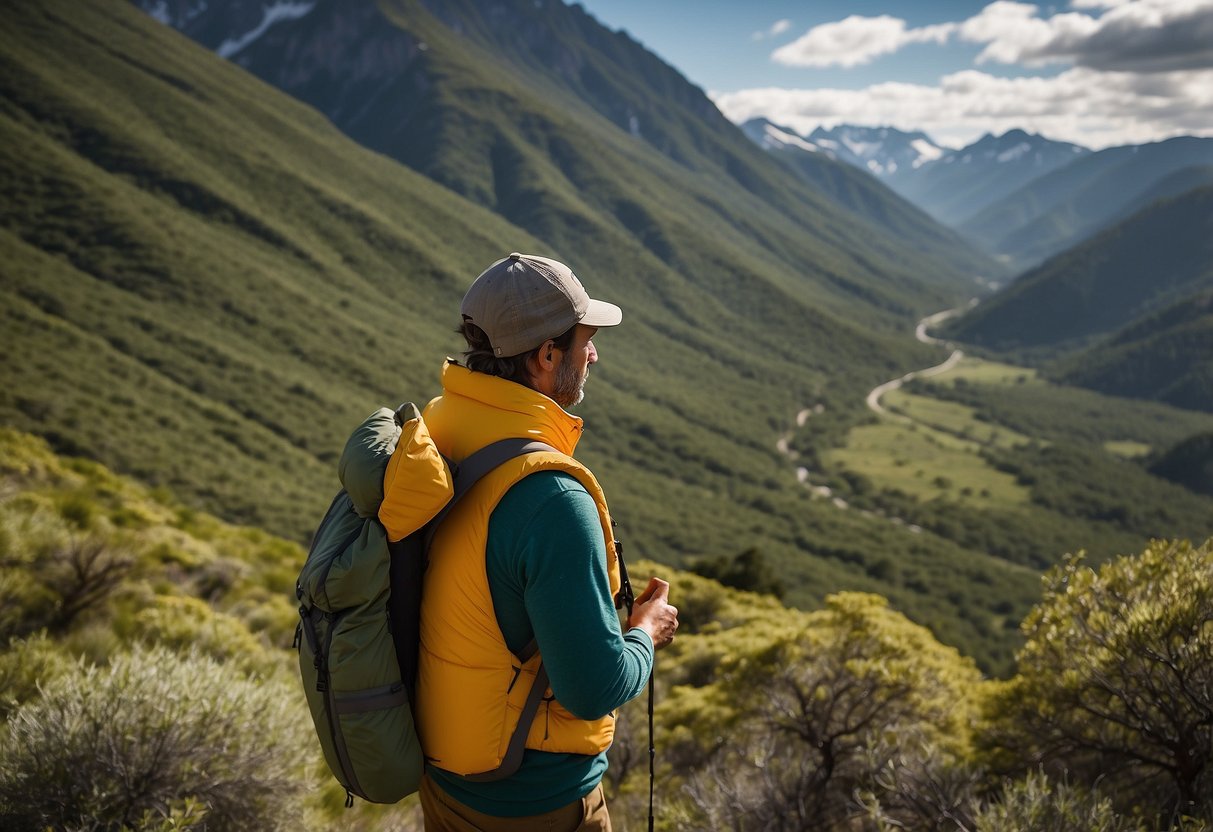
(187, 623)
(109, 748)
(748, 571)
(1115, 681)
(26, 664)
(1035, 804)
(53, 574)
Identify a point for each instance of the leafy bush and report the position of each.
(749, 571)
(1115, 682)
(1037, 804)
(54, 573)
(109, 748)
(24, 665)
(825, 711)
(185, 623)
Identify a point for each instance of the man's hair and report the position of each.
(480, 358)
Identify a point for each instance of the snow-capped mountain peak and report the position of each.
(882, 151)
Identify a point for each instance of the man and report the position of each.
(522, 660)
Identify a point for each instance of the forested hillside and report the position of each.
(206, 286)
(566, 128)
(1166, 356)
(1159, 258)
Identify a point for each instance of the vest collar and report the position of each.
(476, 409)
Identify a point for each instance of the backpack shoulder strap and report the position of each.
(467, 474)
(472, 469)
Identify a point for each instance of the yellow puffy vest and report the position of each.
(471, 688)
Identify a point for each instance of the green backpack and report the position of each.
(359, 607)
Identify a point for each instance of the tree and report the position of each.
(1115, 681)
(827, 710)
(747, 571)
(54, 575)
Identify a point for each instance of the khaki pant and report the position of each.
(445, 814)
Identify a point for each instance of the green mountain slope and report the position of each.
(206, 285)
(1158, 258)
(1054, 212)
(1190, 463)
(1167, 357)
(562, 126)
(190, 290)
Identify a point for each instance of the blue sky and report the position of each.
(1095, 72)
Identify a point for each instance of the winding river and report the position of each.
(920, 332)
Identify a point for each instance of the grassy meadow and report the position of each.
(986, 445)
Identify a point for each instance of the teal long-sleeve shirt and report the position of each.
(546, 564)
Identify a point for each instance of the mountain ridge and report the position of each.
(489, 152)
(1125, 312)
(1050, 214)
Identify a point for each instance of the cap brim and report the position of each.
(601, 313)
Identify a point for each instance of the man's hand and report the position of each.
(653, 613)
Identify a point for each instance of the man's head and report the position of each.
(528, 319)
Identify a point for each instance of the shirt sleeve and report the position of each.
(548, 576)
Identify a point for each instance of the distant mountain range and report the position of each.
(882, 151)
(1020, 197)
(951, 185)
(964, 182)
(835, 166)
(1051, 213)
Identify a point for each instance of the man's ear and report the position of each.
(546, 359)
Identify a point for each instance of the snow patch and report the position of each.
(780, 138)
(273, 14)
(926, 151)
(1015, 152)
(861, 149)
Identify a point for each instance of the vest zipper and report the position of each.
(547, 713)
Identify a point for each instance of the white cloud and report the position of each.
(1138, 71)
(1142, 36)
(856, 40)
(1093, 108)
(777, 29)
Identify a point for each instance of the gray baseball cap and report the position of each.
(522, 300)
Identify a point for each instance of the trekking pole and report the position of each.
(652, 745)
(629, 597)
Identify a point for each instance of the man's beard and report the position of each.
(569, 385)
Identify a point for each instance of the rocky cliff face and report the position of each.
(347, 59)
